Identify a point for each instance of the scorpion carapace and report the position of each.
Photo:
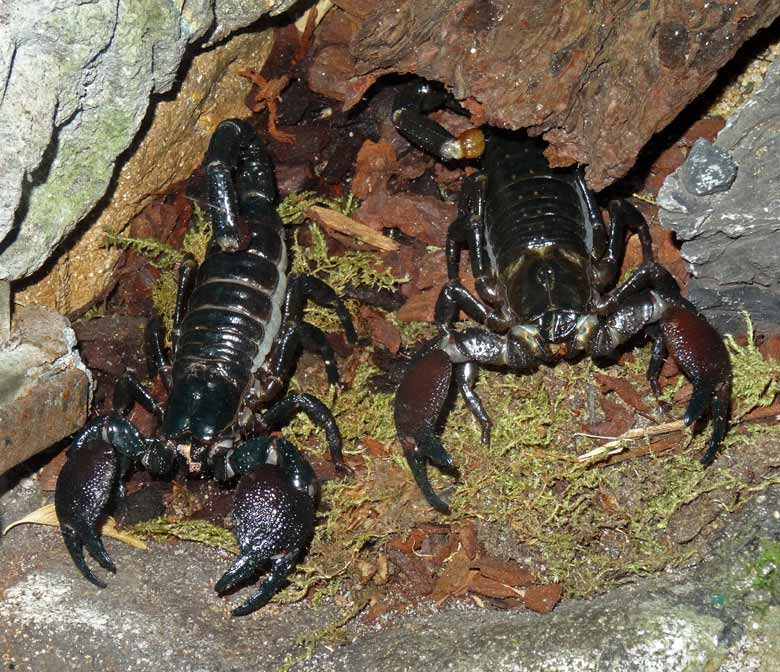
(545, 271)
(238, 329)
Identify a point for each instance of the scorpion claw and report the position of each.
(418, 452)
(418, 404)
(273, 522)
(699, 351)
(83, 490)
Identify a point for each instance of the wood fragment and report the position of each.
(335, 221)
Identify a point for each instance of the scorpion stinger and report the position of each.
(544, 266)
(237, 333)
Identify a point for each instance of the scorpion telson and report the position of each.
(543, 266)
(238, 329)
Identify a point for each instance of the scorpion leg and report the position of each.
(469, 229)
(465, 378)
(128, 390)
(156, 359)
(424, 390)
(285, 409)
(304, 287)
(624, 217)
(455, 297)
(97, 460)
(273, 515)
(693, 343)
(187, 273)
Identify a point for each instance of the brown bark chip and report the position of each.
(542, 599)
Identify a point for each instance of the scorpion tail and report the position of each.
(419, 403)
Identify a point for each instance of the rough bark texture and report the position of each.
(597, 78)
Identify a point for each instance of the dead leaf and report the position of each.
(624, 389)
(47, 515)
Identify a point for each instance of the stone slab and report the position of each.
(44, 387)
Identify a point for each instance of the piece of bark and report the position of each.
(382, 330)
(503, 571)
(597, 79)
(542, 599)
(335, 221)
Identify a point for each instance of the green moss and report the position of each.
(766, 571)
(201, 531)
(164, 298)
(158, 254)
(756, 381)
(196, 240)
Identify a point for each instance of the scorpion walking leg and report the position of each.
(129, 389)
(285, 409)
(273, 515)
(303, 287)
(624, 217)
(186, 282)
(455, 297)
(466, 378)
(156, 359)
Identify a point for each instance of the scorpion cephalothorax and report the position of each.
(543, 266)
(238, 328)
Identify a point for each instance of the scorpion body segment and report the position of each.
(237, 330)
(545, 270)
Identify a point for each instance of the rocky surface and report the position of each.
(597, 79)
(730, 239)
(723, 614)
(76, 82)
(171, 149)
(44, 387)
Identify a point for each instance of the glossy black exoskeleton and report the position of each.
(238, 329)
(543, 266)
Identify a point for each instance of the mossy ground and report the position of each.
(586, 525)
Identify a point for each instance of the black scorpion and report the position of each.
(238, 328)
(542, 263)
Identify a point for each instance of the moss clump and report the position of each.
(201, 531)
(158, 254)
(766, 571)
(756, 381)
(292, 210)
(198, 237)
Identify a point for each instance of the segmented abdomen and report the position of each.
(528, 204)
(235, 310)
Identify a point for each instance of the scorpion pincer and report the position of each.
(238, 329)
(543, 266)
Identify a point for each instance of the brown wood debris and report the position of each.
(598, 80)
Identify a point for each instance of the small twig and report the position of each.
(617, 444)
(335, 221)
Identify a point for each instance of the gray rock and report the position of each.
(159, 614)
(731, 238)
(708, 169)
(41, 375)
(76, 81)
